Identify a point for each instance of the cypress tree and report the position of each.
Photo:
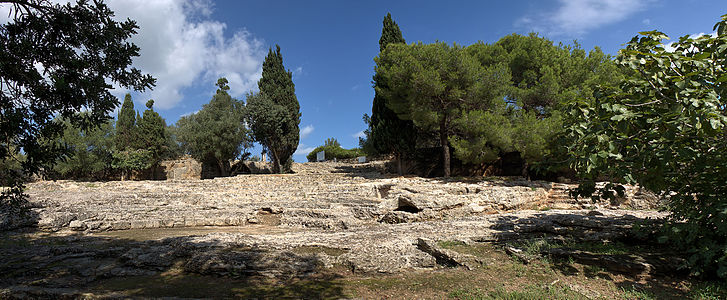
(387, 133)
(126, 124)
(152, 132)
(275, 113)
(390, 33)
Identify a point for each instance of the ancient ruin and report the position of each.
(326, 215)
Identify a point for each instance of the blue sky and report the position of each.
(330, 45)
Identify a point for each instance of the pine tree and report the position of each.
(274, 113)
(126, 125)
(387, 133)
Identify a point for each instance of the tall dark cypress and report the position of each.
(277, 86)
(387, 133)
(390, 34)
(152, 132)
(126, 125)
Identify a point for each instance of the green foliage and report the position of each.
(390, 33)
(89, 152)
(386, 132)
(545, 78)
(274, 113)
(332, 142)
(532, 136)
(217, 132)
(633, 293)
(152, 133)
(334, 151)
(126, 124)
(55, 61)
(132, 160)
(482, 137)
(709, 291)
(433, 84)
(664, 130)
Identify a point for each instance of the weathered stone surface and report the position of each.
(321, 195)
(290, 225)
(186, 168)
(447, 257)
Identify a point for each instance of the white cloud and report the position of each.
(182, 48)
(5, 13)
(303, 150)
(359, 134)
(670, 46)
(576, 17)
(297, 72)
(646, 22)
(189, 113)
(307, 130)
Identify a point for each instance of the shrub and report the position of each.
(335, 151)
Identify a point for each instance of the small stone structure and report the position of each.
(185, 168)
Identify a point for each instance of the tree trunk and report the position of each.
(223, 168)
(445, 145)
(276, 162)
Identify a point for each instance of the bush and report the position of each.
(666, 130)
(335, 151)
(132, 160)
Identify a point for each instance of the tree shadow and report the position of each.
(18, 213)
(366, 171)
(584, 233)
(49, 265)
(501, 181)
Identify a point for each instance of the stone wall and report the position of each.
(185, 168)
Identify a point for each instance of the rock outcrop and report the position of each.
(186, 168)
(290, 225)
(318, 195)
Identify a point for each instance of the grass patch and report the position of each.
(530, 292)
(536, 246)
(709, 291)
(476, 249)
(631, 293)
(604, 247)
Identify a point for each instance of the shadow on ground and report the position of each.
(364, 171)
(602, 246)
(35, 264)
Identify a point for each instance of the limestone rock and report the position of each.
(77, 225)
(186, 168)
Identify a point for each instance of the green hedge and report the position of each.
(335, 152)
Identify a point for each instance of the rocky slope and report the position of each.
(327, 215)
(319, 195)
